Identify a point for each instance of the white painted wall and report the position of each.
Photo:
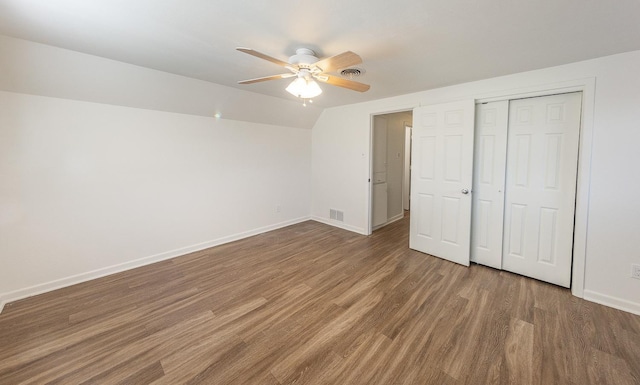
(88, 189)
(340, 156)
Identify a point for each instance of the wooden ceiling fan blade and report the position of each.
(265, 78)
(261, 55)
(343, 60)
(350, 84)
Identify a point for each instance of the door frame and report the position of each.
(369, 203)
(585, 85)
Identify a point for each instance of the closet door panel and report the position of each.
(542, 161)
(488, 183)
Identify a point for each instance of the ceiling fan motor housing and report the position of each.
(303, 58)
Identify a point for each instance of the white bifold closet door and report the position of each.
(526, 159)
(490, 158)
(542, 164)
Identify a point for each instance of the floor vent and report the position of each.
(336, 215)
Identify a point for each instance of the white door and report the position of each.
(542, 155)
(490, 158)
(441, 175)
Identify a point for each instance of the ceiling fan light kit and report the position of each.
(307, 68)
(304, 87)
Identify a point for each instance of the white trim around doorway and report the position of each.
(587, 87)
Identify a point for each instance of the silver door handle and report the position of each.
(465, 191)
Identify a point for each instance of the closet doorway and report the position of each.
(524, 190)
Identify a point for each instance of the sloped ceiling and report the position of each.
(406, 45)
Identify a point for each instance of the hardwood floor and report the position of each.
(311, 304)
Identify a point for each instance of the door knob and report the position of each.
(465, 191)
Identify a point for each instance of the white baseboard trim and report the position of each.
(389, 221)
(616, 303)
(341, 225)
(396, 218)
(8, 297)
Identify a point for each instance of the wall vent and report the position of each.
(336, 215)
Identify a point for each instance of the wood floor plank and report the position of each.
(469, 334)
(313, 304)
(147, 349)
(320, 344)
(364, 354)
(519, 353)
(605, 368)
(128, 373)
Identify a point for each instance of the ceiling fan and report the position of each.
(305, 67)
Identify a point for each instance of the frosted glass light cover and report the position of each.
(304, 88)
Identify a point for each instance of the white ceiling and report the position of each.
(406, 45)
